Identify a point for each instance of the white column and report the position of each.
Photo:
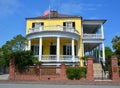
(58, 48)
(103, 52)
(78, 48)
(73, 51)
(99, 53)
(29, 44)
(40, 48)
(102, 31)
(83, 49)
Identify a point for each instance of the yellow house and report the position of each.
(57, 38)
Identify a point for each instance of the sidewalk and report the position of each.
(4, 76)
(68, 82)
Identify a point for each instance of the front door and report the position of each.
(52, 52)
(52, 49)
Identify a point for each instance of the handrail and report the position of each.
(103, 66)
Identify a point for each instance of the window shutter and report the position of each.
(64, 50)
(33, 25)
(75, 50)
(64, 23)
(73, 24)
(42, 24)
(42, 50)
(32, 48)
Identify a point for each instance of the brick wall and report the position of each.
(48, 73)
(90, 71)
(114, 69)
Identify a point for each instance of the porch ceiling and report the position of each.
(90, 46)
(90, 28)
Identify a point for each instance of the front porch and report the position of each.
(54, 50)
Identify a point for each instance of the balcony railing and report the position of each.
(62, 58)
(92, 36)
(51, 28)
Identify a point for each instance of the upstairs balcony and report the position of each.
(53, 28)
(93, 30)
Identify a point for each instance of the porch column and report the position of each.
(83, 49)
(58, 48)
(102, 31)
(78, 48)
(40, 48)
(103, 52)
(73, 51)
(29, 44)
(99, 53)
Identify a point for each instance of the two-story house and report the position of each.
(58, 38)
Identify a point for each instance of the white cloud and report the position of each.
(9, 7)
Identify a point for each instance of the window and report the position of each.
(37, 24)
(35, 49)
(69, 26)
(67, 50)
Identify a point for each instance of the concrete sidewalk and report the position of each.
(4, 76)
(68, 82)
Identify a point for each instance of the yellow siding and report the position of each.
(46, 44)
(54, 22)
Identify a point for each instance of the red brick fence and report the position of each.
(39, 72)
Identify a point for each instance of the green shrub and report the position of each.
(24, 59)
(76, 73)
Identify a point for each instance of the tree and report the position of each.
(108, 53)
(116, 45)
(16, 44)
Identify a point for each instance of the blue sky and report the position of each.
(14, 12)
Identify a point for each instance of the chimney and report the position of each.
(54, 13)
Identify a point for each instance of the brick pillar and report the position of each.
(12, 69)
(90, 69)
(63, 71)
(38, 71)
(114, 68)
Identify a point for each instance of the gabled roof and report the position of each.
(54, 14)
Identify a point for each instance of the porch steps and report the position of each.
(98, 72)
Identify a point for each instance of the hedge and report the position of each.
(76, 73)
